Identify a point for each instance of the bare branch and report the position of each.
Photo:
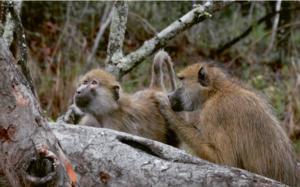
(144, 22)
(120, 66)
(275, 25)
(250, 29)
(104, 22)
(117, 32)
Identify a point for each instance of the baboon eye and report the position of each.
(94, 82)
(85, 82)
(116, 93)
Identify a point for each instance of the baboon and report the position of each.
(235, 125)
(100, 96)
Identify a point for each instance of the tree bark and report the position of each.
(117, 34)
(106, 157)
(30, 153)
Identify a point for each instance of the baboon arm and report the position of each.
(190, 134)
(193, 138)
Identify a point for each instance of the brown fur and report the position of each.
(235, 127)
(136, 114)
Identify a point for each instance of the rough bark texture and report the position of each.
(21, 41)
(122, 65)
(25, 138)
(117, 33)
(106, 157)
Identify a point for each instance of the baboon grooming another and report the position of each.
(100, 96)
(235, 127)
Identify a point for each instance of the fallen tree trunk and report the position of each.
(106, 157)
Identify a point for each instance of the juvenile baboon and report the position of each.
(235, 127)
(100, 96)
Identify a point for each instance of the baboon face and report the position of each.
(194, 84)
(97, 93)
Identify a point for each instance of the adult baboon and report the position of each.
(235, 127)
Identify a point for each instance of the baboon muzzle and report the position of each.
(82, 96)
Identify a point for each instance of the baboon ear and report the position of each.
(116, 92)
(203, 77)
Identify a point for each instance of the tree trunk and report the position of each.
(106, 157)
(30, 153)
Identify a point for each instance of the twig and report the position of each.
(122, 65)
(144, 21)
(22, 62)
(83, 11)
(249, 29)
(104, 22)
(263, 36)
(63, 31)
(274, 29)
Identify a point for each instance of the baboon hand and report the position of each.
(163, 103)
(162, 100)
(71, 116)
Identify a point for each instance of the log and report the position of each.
(107, 157)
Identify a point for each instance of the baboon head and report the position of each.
(98, 93)
(198, 82)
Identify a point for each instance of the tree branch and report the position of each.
(249, 30)
(274, 28)
(106, 157)
(104, 22)
(122, 65)
(22, 62)
(117, 33)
